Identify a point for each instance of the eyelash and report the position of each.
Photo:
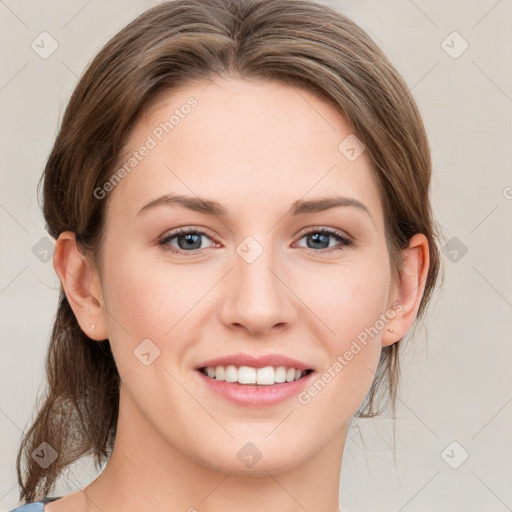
(344, 241)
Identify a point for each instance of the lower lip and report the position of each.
(248, 395)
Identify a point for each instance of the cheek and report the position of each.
(353, 310)
(152, 300)
(348, 300)
(352, 307)
(146, 296)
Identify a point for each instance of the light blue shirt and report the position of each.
(37, 506)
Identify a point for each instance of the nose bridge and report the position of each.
(257, 297)
(253, 264)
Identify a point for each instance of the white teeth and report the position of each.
(280, 374)
(218, 374)
(266, 376)
(246, 375)
(231, 374)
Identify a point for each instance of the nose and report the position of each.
(257, 297)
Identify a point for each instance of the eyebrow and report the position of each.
(210, 207)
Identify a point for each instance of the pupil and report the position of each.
(323, 238)
(190, 238)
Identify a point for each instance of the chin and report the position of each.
(246, 458)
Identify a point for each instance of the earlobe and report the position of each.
(415, 265)
(78, 278)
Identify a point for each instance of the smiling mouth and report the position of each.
(248, 376)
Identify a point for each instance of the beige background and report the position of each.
(457, 382)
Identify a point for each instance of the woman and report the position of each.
(240, 197)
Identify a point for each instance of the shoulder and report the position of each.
(36, 506)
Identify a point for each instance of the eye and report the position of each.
(318, 238)
(188, 241)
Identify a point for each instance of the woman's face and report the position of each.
(262, 278)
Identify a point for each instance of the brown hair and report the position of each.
(298, 42)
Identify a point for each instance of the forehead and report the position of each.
(248, 144)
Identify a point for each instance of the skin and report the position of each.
(255, 147)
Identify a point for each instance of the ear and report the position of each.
(408, 292)
(81, 285)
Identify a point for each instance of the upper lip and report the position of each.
(255, 361)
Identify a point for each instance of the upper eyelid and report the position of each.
(185, 230)
(206, 231)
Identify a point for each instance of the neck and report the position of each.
(146, 472)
